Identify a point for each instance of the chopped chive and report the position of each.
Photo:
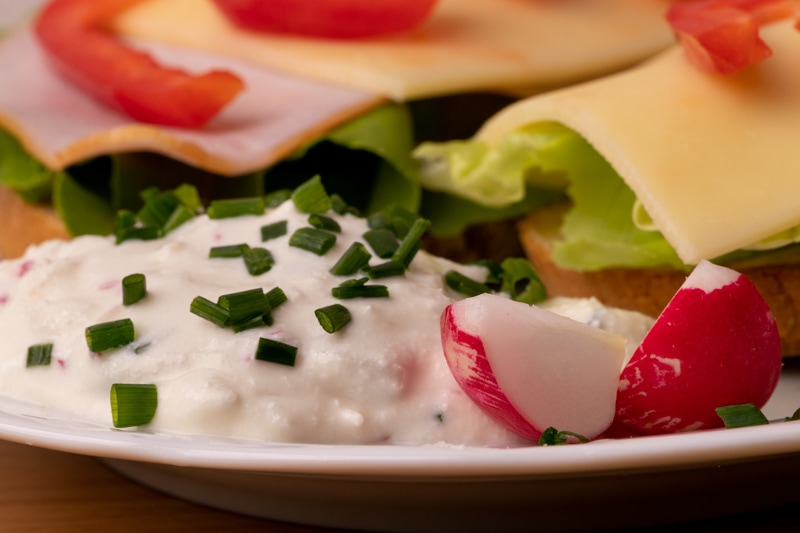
(311, 197)
(124, 220)
(521, 281)
(378, 221)
(357, 288)
(134, 288)
(352, 260)
(318, 221)
(494, 275)
(333, 317)
(258, 260)
(189, 196)
(157, 208)
(411, 243)
(464, 284)
(313, 240)
(399, 219)
(211, 311)
(382, 241)
(553, 437)
(133, 404)
(255, 322)
(39, 354)
(274, 230)
(142, 233)
(276, 198)
(107, 335)
(178, 216)
(738, 416)
(273, 351)
(340, 207)
(244, 305)
(235, 207)
(275, 297)
(228, 251)
(386, 270)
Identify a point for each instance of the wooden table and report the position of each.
(54, 492)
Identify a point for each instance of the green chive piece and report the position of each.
(274, 230)
(333, 317)
(352, 260)
(521, 281)
(142, 233)
(107, 335)
(228, 251)
(311, 197)
(211, 311)
(276, 198)
(464, 284)
(39, 354)
(157, 208)
(258, 260)
(386, 270)
(236, 207)
(399, 219)
(378, 221)
(133, 404)
(244, 305)
(357, 288)
(124, 221)
(494, 275)
(553, 437)
(134, 288)
(179, 215)
(318, 221)
(273, 351)
(340, 207)
(275, 297)
(411, 243)
(739, 416)
(382, 241)
(189, 196)
(313, 240)
(255, 322)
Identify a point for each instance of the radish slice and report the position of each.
(715, 344)
(531, 369)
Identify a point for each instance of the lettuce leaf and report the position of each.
(598, 231)
(367, 161)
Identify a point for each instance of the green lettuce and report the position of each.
(367, 162)
(541, 159)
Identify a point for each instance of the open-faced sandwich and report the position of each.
(90, 126)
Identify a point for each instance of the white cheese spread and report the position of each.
(381, 379)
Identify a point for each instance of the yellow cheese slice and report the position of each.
(466, 45)
(275, 115)
(714, 160)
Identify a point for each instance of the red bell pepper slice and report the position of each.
(722, 36)
(75, 36)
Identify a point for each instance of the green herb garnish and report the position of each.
(464, 284)
(39, 354)
(333, 317)
(133, 404)
(311, 197)
(273, 351)
(737, 416)
(134, 288)
(107, 335)
(274, 230)
(258, 260)
(236, 207)
(352, 260)
(228, 251)
(358, 288)
(313, 240)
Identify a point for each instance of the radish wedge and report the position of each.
(715, 344)
(531, 369)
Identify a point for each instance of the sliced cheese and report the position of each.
(466, 45)
(714, 160)
(272, 117)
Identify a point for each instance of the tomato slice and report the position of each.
(337, 19)
(722, 36)
(74, 35)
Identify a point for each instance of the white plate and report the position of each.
(441, 488)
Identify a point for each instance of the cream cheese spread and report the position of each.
(381, 379)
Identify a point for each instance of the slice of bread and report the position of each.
(649, 290)
(23, 224)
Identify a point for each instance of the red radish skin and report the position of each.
(715, 344)
(531, 369)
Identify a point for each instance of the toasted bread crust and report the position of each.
(23, 224)
(649, 290)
